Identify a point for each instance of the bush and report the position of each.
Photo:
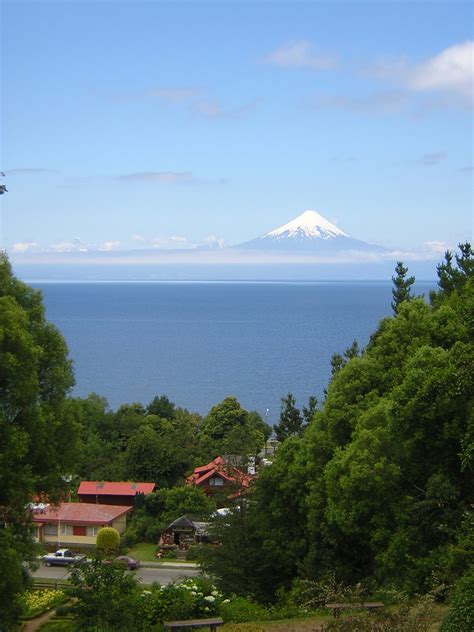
(130, 537)
(311, 594)
(242, 609)
(108, 540)
(194, 553)
(108, 597)
(188, 599)
(460, 617)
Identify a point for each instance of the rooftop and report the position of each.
(114, 488)
(80, 513)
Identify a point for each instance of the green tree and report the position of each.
(230, 429)
(401, 291)
(38, 440)
(379, 487)
(291, 421)
(108, 598)
(161, 407)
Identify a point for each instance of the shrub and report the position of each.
(311, 594)
(242, 609)
(190, 598)
(460, 617)
(130, 537)
(108, 597)
(108, 540)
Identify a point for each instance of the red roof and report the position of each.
(80, 513)
(99, 488)
(218, 467)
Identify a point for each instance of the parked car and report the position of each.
(124, 561)
(62, 557)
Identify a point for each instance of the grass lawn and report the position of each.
(144, 551)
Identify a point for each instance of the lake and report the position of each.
(200, 342)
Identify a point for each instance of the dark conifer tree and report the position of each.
(401, 290)
(291, 421)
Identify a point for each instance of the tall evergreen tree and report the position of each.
(291, 421)
(401, 291)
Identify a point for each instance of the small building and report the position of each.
(112, 493)
(219, 476)
(77, 523)
(183, 532)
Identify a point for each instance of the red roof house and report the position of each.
(77, 523)
(109, 493)
(219, 475)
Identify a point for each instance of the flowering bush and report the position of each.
(193, 597)
(35, 602)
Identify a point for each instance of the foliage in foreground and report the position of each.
(380, 487)
(35, 377)
(461, 614)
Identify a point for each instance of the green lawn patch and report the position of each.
(144, 551)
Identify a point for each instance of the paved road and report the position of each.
(146, 575)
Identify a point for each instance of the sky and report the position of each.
(138, 125)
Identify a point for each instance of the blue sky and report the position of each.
(154, 124)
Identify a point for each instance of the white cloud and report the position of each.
(137, 237)
(450, 70)
(107, 246)
(169, 243)
(300, 54)
(449, 73)
(438, 247)
(75, 245)
(166, 177)
(24, 246)
(214, 241)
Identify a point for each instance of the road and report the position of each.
(145, 574)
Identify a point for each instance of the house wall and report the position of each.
(120, 523)
(63, 539)
(69, 540)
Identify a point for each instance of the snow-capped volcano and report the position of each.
(308, 225)
(309, 232)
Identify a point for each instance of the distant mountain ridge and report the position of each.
(310, 232)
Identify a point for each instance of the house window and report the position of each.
(92, 531)
(216, 481)
(50, 529)
(66, 529)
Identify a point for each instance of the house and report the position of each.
(112, 493)
(183, 532)
(77, 523)
(219, 476)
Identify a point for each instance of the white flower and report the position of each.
(209, 598)
(215, 593)
(226, 601)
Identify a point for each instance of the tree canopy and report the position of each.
(38, 439)
(379, 488)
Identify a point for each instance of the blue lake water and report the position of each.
(200, 342)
